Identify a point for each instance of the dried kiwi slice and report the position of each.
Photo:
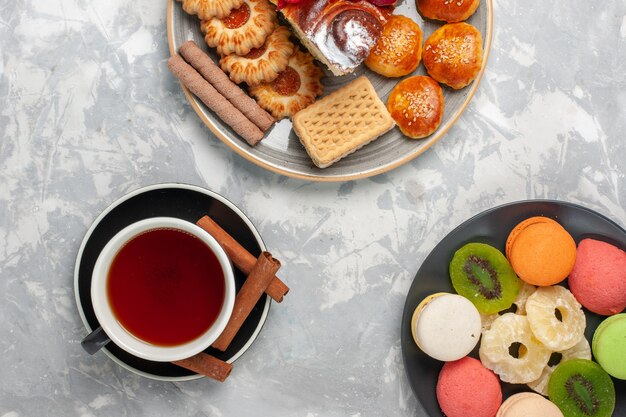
(581, 388)
(482, 274)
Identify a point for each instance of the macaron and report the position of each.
(541, 251)
(446, 326)
(598, 280)
(528, 404)
(609, 345)
(466, 388)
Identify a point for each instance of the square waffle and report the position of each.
(342, 122)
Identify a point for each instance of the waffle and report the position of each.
(342, 122)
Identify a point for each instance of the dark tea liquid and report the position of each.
(166, 287)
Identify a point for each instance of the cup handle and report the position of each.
(95, 341)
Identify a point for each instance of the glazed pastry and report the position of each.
(447, 10)
(261, 65)
(339, 33)
(296, 87)
(244, 29)
(208, 9)
(399, 48)
(416, 105)
(453, 54)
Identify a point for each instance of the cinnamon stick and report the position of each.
(207, 365)
(247, 297)
(203, 63)
(223, 108)
(239, 256)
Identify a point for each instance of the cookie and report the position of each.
(293, 89)
(261, 65)
(342, 122)
(242, 30)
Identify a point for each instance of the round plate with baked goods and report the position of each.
(329, 90)
(521, 349)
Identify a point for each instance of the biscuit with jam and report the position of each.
(295, 88)
(261, 65)
(208, 9)
(244, 29)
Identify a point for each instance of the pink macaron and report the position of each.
(598, 280)
(466, 388)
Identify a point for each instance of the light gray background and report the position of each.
(89, 112)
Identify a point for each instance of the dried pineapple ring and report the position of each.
(581, 350)
(495, 347)
(520, 306)
(543, 309)
(522, 296)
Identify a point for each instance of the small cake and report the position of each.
(261, 65)
(398, 50)
(342, 122)
(598, 280)
(465, 388)
(609, 345)
(528, 404)
(416, 105)
(453, 54)
(339, 33)
(242, 30)
(446, 326)
(447, 10)
(208, 9)
(541, 251)
(294, 88)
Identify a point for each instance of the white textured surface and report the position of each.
(89, 112)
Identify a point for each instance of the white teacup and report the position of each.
(122, 337)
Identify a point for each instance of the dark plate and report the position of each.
(174, 200)
(492, 227)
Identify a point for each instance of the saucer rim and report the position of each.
(135, 193)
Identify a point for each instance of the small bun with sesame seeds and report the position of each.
(453, 54)
(398, 50)
(447, 10)
(416, 105)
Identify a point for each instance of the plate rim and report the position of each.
(341, 177)
(405, 313)
(128, 196)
